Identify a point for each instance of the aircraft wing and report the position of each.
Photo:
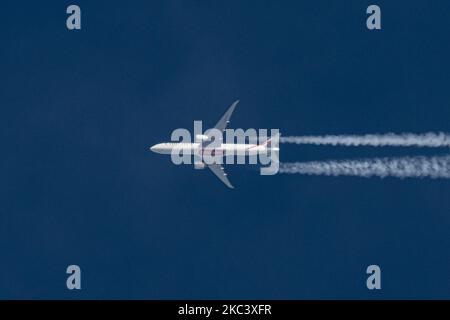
(220, 173)
(223, 122)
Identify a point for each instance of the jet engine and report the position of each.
(201, 138)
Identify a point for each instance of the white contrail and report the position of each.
(429, 139)
(404, 167)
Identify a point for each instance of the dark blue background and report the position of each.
(79, 110)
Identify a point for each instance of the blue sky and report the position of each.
(80, 109)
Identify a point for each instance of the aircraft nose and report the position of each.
(156, 148)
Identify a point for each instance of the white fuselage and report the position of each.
(201, 149)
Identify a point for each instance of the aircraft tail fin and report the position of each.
(272, 142)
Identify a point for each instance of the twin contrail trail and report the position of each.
(429, 139)
(402, 167)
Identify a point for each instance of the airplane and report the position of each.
(200, 147)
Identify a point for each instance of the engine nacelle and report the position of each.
(201, 138)
(199, 165)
